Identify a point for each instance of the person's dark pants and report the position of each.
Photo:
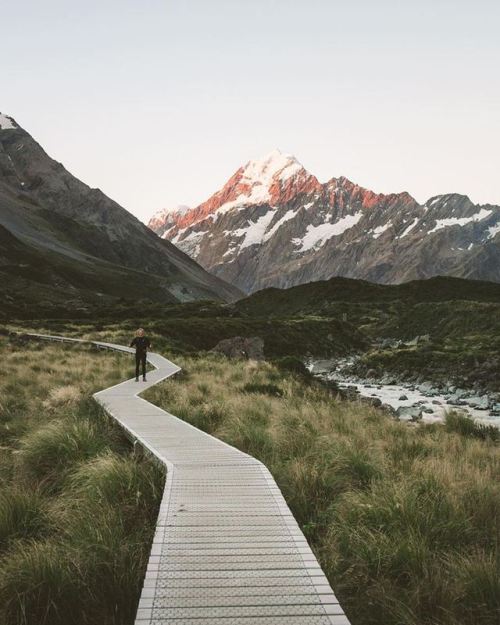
(140, 359)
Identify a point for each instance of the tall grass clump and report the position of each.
(466, 426)
(50, 451)
(405, 520)
(23, 514)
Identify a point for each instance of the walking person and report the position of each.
(141, 344)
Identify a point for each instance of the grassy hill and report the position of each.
(322, 298)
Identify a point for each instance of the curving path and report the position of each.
(227, 549)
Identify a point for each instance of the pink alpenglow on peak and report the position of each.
(271, 180)
(273, 224)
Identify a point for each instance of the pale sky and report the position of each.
(158, 102)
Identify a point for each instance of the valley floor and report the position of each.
(405, 520)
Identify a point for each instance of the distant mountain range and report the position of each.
(66, 247)
(274, 224)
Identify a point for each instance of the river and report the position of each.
(434, 403)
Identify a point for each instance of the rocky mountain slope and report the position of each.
(66, 246)
(275, 224)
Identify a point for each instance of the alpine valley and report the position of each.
(275, 224)
(67, 249)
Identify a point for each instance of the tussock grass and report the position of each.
(466, 426)
(49, 452)
(77, 508)
(405, 520)
(23, 514)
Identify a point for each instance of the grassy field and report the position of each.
(77, 509)
(334, 318)
(405, 520)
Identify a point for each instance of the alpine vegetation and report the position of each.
(404, 520)
(77, 508)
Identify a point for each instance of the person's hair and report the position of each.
(138, 331)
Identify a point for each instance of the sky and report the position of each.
(158, 103)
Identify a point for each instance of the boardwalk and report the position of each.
(227, 549)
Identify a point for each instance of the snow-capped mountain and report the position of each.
(274, 224)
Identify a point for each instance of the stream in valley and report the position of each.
(411, 402)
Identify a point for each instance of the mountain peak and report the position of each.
(7, 123)
(274, 179)
(275, 164)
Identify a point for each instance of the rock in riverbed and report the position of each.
(409, 413)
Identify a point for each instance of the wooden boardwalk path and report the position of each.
(227, 550)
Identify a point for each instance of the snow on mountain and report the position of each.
(274, 224)
(460, 221)
(6, 122)
(318, 235)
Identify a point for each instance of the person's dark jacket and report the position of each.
(141, 344)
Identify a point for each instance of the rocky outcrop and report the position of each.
(275, 224)
(241, 348)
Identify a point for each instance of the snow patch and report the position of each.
(409, 228)
(254, 233)
(316, 236)
(380, 229)
(433, 201)
(190, 244)
(181, 209)
(493, 230)
(460, 221)
(6, 122)
(286, 217)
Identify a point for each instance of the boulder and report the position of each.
(426, 387)
(454, 400)
(323, 366)
(409, 413)
(403, 398)
(241, 348)
(372, 401)
(388, 409)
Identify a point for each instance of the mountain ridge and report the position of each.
(92, 247)
(274, 224)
